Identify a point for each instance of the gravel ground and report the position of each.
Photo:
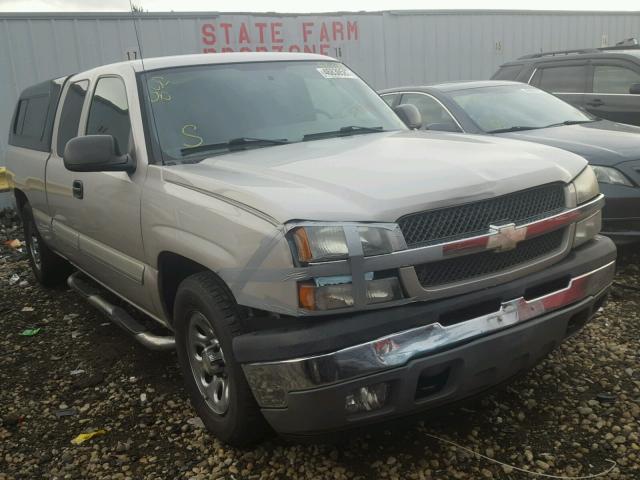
(79, 374)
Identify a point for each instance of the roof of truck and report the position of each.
(155, 63)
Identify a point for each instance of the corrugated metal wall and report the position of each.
(386, 48)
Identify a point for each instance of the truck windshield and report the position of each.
(211, 109)
(511, 108)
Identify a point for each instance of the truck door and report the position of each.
(58, 190)
(99, 212)
(610, 95)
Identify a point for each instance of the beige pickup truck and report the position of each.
(317, 264)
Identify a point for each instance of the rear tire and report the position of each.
(206, 320)
(49, 269)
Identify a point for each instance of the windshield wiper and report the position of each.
(342, 132)
(517, 128)
(570, 122)
(239, 143)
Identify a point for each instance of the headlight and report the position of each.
(340, 295)
(327, 242)
(323, 243)
(611, 175)
(586, 185)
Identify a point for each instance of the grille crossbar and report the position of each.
(472, 219)
(468, 267)
(435, 226)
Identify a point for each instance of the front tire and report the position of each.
(49, 269)
(206, 319)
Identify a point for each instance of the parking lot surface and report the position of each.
(64, 371)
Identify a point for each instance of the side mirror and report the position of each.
(96, 153)
(409, 114)
(635, 89)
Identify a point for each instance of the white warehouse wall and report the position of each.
(386, 48)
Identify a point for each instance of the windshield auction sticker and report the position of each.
(335, 70)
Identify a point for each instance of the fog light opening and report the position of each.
(367, 399)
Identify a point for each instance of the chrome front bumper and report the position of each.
(272, 381)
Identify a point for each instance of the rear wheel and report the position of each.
(206, 319)
(49, 269)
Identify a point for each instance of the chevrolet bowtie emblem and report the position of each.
(506, 237)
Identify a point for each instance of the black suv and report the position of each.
(603, 81)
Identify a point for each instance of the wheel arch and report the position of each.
(173, 268)
(21, 200)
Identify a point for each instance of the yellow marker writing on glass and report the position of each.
(158, 92)
(191, 135)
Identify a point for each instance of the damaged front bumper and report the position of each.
(289, 388)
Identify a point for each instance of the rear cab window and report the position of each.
(32, 123)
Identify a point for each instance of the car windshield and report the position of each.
(516, 107)
(212, 109)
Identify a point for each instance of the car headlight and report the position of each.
(611, 175)
(324, 243)
(328, 242)
(340, 295)
(586, 185)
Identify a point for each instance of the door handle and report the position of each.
(78, 189)
(596, 102)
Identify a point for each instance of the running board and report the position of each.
(118, 315)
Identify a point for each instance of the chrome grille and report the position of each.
(486, 263)
(471, 219)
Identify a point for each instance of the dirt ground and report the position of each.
(573, 415)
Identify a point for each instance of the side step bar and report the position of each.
(118, 315)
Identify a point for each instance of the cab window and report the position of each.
(34, 118)
(70, 115)
(109, 112)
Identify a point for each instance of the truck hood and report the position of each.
(601, 143)
(374, 177)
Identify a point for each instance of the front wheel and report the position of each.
(206, 319)
(49, 269)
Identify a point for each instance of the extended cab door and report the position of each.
(609, 95)
(566, 80)
(98, 213)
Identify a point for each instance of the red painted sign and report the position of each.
(283, 35)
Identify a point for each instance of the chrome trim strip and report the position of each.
(415, 289)
(271, 381)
